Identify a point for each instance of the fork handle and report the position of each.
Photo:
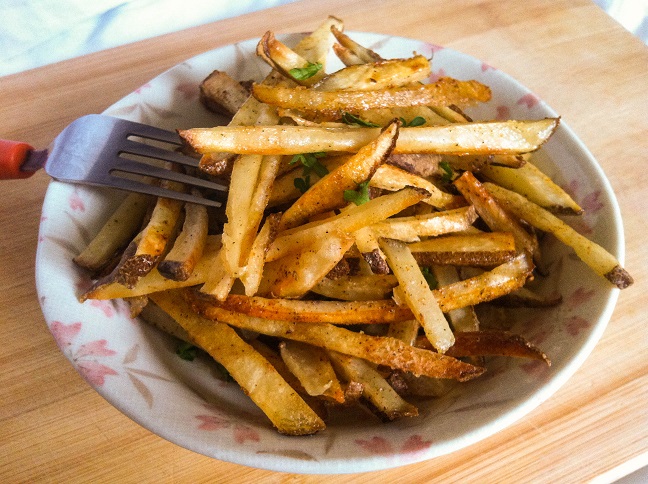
(13, 154)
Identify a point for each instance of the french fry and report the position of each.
(492, 137)
(222, 94)
(251, 278)
(417, 293)
(362, 53)
(530, 182)
(348, 222)
(379, 350)
(328, 193)
(153, 239)
(491, 343)
(109, 288)
(375, 388)
(387, 74)
(312, 367)
(389, 177)
(356, 288)
(493, 214)
(334, 312)
(462, 319)
(595, 256)
(116, 233)
(334, 104)
(410, 229)
(285, 60)
(261, 382)
(295, 274)
(188, 247)
(485, 249)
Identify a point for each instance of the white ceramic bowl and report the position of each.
(135, 366)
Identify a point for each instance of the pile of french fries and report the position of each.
(356, 200)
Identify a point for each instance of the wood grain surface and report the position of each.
(55, 428)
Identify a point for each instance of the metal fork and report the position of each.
(91, 151)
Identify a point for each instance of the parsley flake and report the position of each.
(352, 119)
(359, 196)
(417, 121)
(448, 173)
(186, 351)
(302, 73)
(302, 184)
(429, 277)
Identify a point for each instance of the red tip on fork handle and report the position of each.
(12, 156)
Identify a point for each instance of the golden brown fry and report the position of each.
(188, 247)
(409, 229)
(493, 214)
(116, 233)
(222, 94)
(417, 294)
(348, 222)
(379, 350)
(108, 288)
(295, 274)
(486, 249)
(530, 182)
(365, 55)
(595, 256)
(153, 239)
(491, 137)
(389, 177)
(283, 59)
(491, 343)
(334, 104)
(356, 288)
(328, 193)
(312, 367)
(261, 382)
(386, 74)
(375, 388)
(335, 312)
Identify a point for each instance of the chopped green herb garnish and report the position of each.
(301, 73)
(186, 351)
(417, 121)
(311, 162)
(448, 173)
(359, 196)
(429, 277)
(302, 184)
(349, 118)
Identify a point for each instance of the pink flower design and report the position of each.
(75, 202)
(142, 88)
(592, 203)
(434, 47)
(85, 357)
(535, 368)
(64, 333)
(503, 112)
(485, 67)
(416, 444)
(438, 75)
(214, 422)
(380, 446)
(576, 324)
(530, 100)
(580, 296)
(105, 306)
(95, 373)
(242, 433)
(189, 90)
(377, 445)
